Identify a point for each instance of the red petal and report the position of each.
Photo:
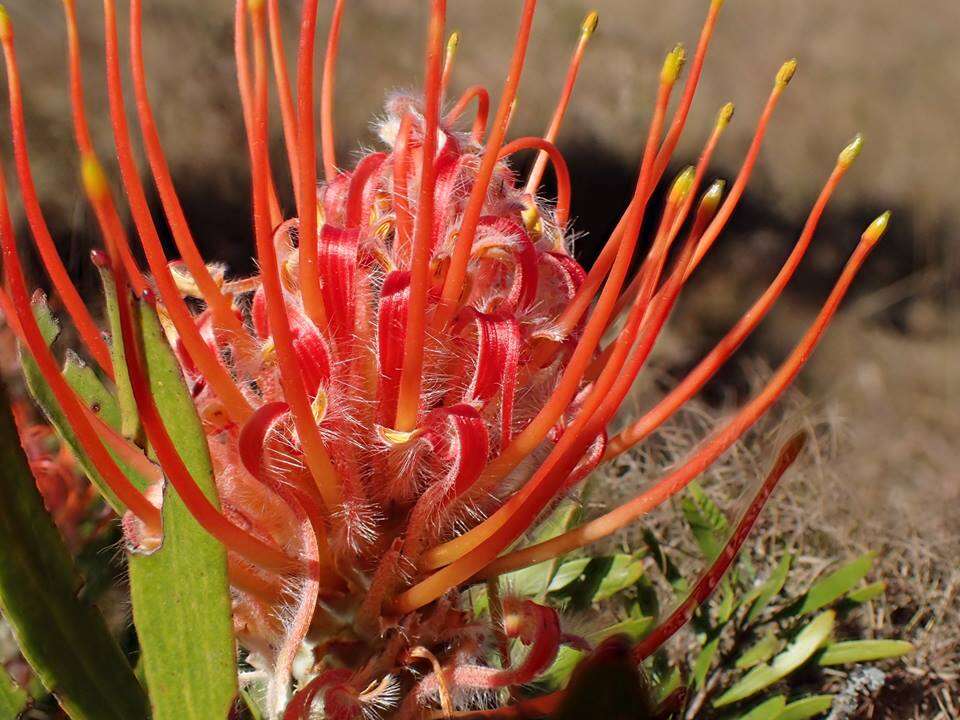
(253, 436)
(337, 264)
(392, 324)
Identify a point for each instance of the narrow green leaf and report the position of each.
(759, 652)
(728, 601)
(181, 601)
(129, 417)
(834, 585)
(704, 661)
(767, 710)
(567, 573)
(761, 595)
(867, 592)
(807, 642)
(669, 685)
(623, 572)
(857, 651)
(706, 520)
(13, 699)
(807, 707)
(86, 384)
(63, 637)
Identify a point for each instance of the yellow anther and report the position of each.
(851, 151)
(532, 220)
(319, 406)
(268, 351)
(786, 72)
(397, 437)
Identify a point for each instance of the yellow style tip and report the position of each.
(255, 5)
(672, 65)
(724, 116)
(877, 228)
(94, 178)
(453, 42)
(786, 72)
(6, 27)
(589, 25)
(711, 198)
(851, 151)
(682, 184)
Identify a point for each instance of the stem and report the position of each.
(327, 93)
(453, 284)
(408, 403)
(208, 363)
(287, 107)
(219, 304)
(86, 327)
(307, 149)
(548, 149)
(483, 110)
(587, 29)
(318, 461)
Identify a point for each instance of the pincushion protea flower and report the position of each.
(416, 375)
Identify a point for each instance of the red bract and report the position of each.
(417, 373)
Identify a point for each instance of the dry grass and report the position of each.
(882, 475)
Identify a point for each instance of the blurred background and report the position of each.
(887, 378)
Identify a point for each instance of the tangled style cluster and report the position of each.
(417, 373)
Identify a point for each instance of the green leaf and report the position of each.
(567, 573)
(670, 683)
(706, 520)
(834, 585)
(181, 600)
(761, 595)
(767, 710)
(62, 636)
(807, 642)
(807, 707)
(129, 417)
(704, 661)
(867, 592)
(567, 659)
(86, 384)
(728, 601)
(759, 652)
(623, 572)
(13, 700)
(857, 651)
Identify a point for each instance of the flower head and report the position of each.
(419, 370)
